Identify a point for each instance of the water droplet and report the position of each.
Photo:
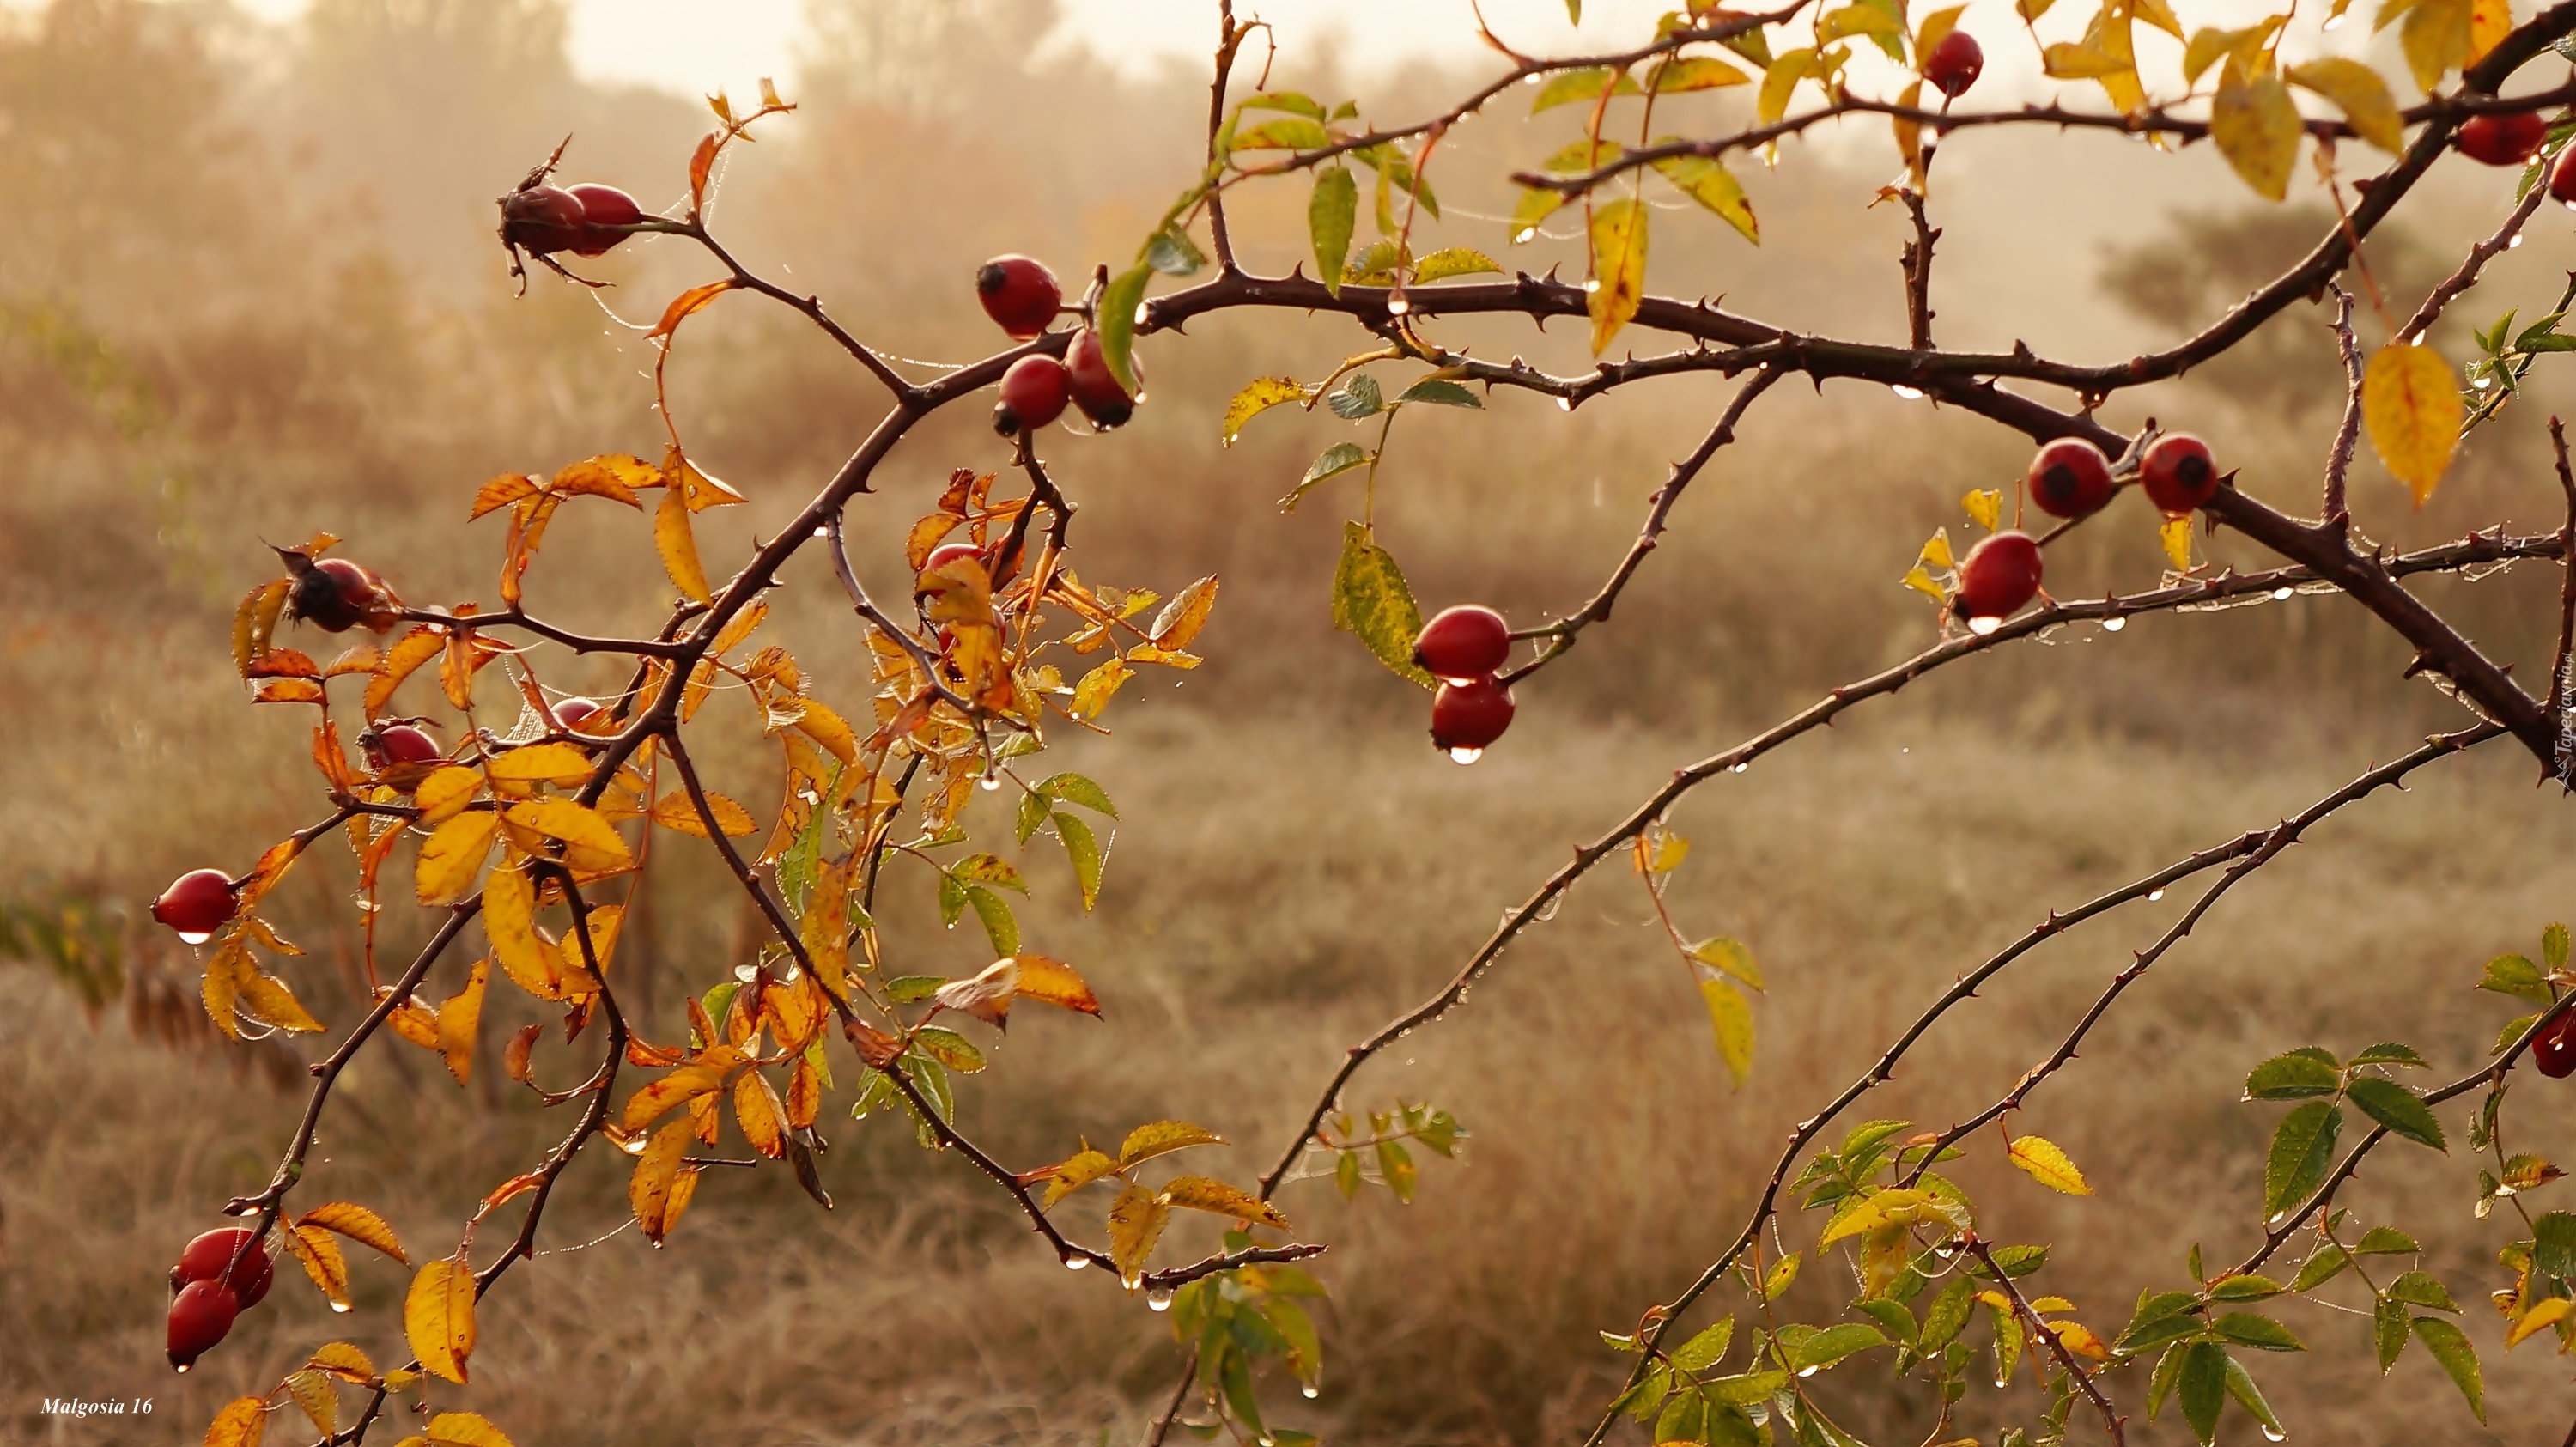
(1533, 80)
(1591, 284)
(2281, 595)
(1159, 1299)
(195, 937)
(1809, 1372)
(339, 1306)
(183, 1366)
(1465, 756)
(1564, 404)
(1546, 912)
(2270, 1432)
(1524, 234)
(1740, 768)
(746, 973)
(1310, 1392)
(1075, 1261)
(2114, 625)
(1910, 394)
(1397, 306)
(823, 530)
(2334, 22)
(2154, 894)
(2483, 383)
(989, 782)
(1140, 313)
(1984, 627)
(2510, 245)
(657, 1245)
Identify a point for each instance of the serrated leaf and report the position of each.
(1706, 180)
(2252, 1329)
(676, 541)
(1372, 600)
(2294, 1076)
(1332, 211)
(1258, 396)
(2422, 1288)
(2202, 1387)
(1162, 1137)
(2553, 1244)
(1117, 324)
(2361, 94)
(2256, 126)
(2044, 1162)
(2391, 1053)
(1202, 1193)
(1136, 1221)
(1707, 1346)
(2542, 1316)
(452, 856)
(2450, 1346)
(1452, 261)
(1440, 391)
(1567, 87)
(2410, 405)
(438, 1317)
(1835, 1343)
(240, 1422)
(358, 1224)
(2397, 1108)
(1730, 1017)
(1618, 282)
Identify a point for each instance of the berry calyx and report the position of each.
(335, 594)
(1019, 294)
(1464, 643)
(406, 744)
(203, 1312)
(602, 207)
(2069, 477)
(2503, 140)
(541, 220)
(2178, 474)
(1955, 63)
(196, 904)
(1467, 717)
(1095, 388)
(572, 713)
(2555, 1051)
(1034, 392)
(1997, 577)
(2562, 177)
(210, 1258)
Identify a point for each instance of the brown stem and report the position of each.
(2467, 276)
(2112, 1421)
(1916, 262)
(2348, 431)
(2559, 681)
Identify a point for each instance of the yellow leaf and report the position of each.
(438, 1317)
(648, 1191)
(2540, 1318)
(1136, 1221)
(1201, 1193)
(458, 1020)
(2069, 61)
(678, 544)
(1921, 582)
(320, 1256)
(464, 1429)
(2257, 129)
(509, 905)
(1092, 694)
(562, 765)
(1081, 1170)
(452, 855)
(825, 929)
(1162, 1138)
(2436, 37)
(240, 1424)
(763, 1118)
(2361, 94)
(445, 792)
(614, 476)
(2411, 405)
(1183, 617)
(1618, 284)
(255, 622)
(345, 1360)
(2175, 534)
(2079, 1339)
(313, 1392)
(1706, 180)
(2489, 22)
(1053, 982)
(828, 728)
(358, 1224)
(2045, 1163)
(1874, 1212)
(684, 1083)
(405, 658)
(266, 998)
(592, 845)
(1986, 505)
(1732, 1018)
(1257, 397)
(1780, 81)
(674, 810)
(221, 986)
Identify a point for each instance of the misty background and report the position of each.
(249, 288)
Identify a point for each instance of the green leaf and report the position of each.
(2302, 1152)
(2504, 1041)
(2385, 1241)
(1083, 849)
(949, 1048)
(999, 926)
(1747, 1388)
(1379, 265)
(1833, 1344)
(1357, 398)
(2161, 1317)
(1439, 391)
(2020, 1260)
(1706, 180)
(2388, 1331)
(2517, 976)
(2450, 1346)
(1370, 599)
(1567, 87)
(1641, 1400)
(952, 899)
(2248, 1287)
(2294, 1076)
(1782, 1273)
(1451, 261)
(2203, 1387)
(1684, 1419)
(2323, 1265)
(2253, 1329)
(1947, 1316)
(1297, 134)
(1346, 1174)
(2240, 1385)
(1032, 817)
(2553, 1245)
(1078, 789)
(2422, 1288)
(1892, 1317)
(1332, 210)
(2160, 1383)
(2553, 940)
(1707, 1348)
(913, 989)
(1117, 324)
(1335, 460)
(2391, 1053)
(1171, 252)
(1396, 1165)
(1285, 100)
(988, 869)
(2399, 1109)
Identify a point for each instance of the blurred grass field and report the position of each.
(311, 328)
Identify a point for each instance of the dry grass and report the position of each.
(1292, 866)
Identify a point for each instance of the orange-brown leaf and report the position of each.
(358, 1224)
(320, 1257)
(702, 161)
(613, 475)
(240, 1423)
(459, 1019)
(502, 491)
(687, 304)
(648, 1190)
(409, 652)
(763, 1118)
(1053, 982)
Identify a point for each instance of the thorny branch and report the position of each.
(2559, 680)
(2348, 431)
(2112, 1421)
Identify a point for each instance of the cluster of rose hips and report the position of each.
(2512, 140)
(222, 1274)
(2070, 478)
(1022, 296)
(585, 220)
(1465, 648)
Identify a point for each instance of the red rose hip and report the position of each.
(2562, 177)
(1467, 717)
(2503, 140)
(1034, 392)
(1997, 577)
(1955, 63)
(210, 1258)
(1019, 294)
(203, 1312)
(196, 904)
(572, 713)
(2178, 474)
(1095, 388)
(2555, 1051)
(1463, 643)
(2069, 478)
(407, 744)
(541, 220)
(603, 207)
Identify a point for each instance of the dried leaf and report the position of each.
(592, 845)
(678, 544)
(686, 305)
(458, 1020)
(1618, 284)
(438, 1317)
(675, 810)
(1136, 1221)
(320, 1256)
(358, 1224)
(1055, 983)
(240, 1423)
(762, 1116)
(1163, 1137)
(1201, 1193)
(1258, 396)
(648, 1190)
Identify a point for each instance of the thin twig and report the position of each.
(2467, 276)
(2559, 681)
(2112, 1421)
(1916, 263)
(2347, 432)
